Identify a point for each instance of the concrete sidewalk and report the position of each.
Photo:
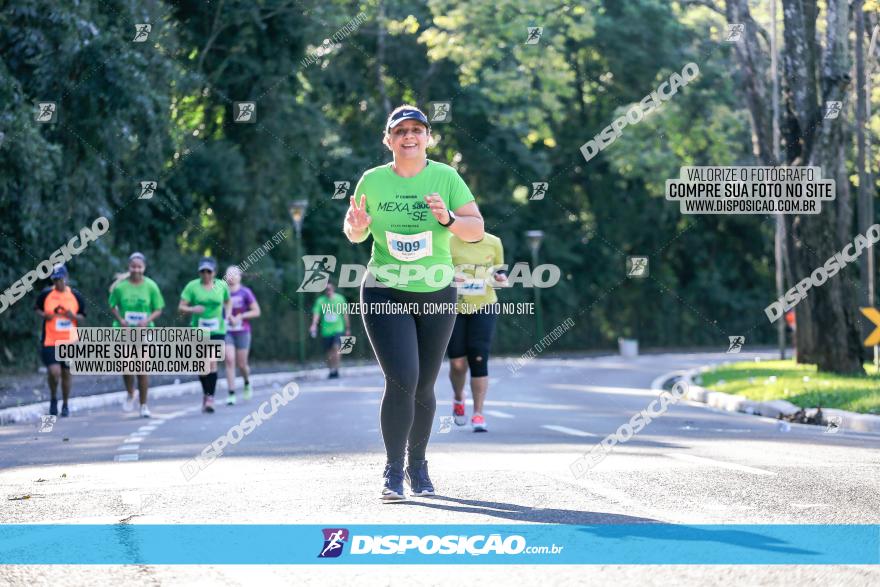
(776, 409)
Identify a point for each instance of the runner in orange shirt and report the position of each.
(61, 309)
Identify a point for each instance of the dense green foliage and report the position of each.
(162, 110)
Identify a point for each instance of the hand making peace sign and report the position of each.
(357, 216)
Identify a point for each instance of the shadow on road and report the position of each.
(616, 526)
(680, 533)
(521, 513)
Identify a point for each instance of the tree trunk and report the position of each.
(827, 319)
(834, 340)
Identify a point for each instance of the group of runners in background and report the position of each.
(225, 307)
(222, 306)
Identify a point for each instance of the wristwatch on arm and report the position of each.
(451, 219)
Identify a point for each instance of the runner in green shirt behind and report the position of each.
(206, 299)
(328, 309)
(135, 301)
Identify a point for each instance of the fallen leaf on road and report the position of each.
(20, 498)
(40, 480)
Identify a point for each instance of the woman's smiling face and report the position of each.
(408, 140)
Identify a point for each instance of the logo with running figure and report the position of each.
(47, 423)
(347, 344)
(832, 109)
(833, 423)
(736, 343)
(148, 188)
(637, 267)
(539, 190)
(46, 112)
(440, 111)
(318, 271)
(735, 32)
(535, 33)
(334, 540)
(142, 32)
(340, 189)
(244, 112)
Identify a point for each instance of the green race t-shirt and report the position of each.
(136, 302)
(332, 322)
(212, 300)
(405, 233)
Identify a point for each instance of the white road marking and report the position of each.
(131, 444)
(350, 389)
(566, 430)
(722, 464)
(605, 389)
(497, 414)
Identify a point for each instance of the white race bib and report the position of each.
(409, 247)
(135, 317)
(472, 287)
(62, 324)
(233, 327)
(209, 323)
(330, 317)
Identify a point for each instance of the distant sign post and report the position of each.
(874, 338)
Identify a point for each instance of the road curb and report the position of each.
(851, 421)
(32, 412)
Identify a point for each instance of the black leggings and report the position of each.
(472, 338)
(209, 381)
(408, 338)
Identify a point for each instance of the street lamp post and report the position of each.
(297, 209)
(534, 238)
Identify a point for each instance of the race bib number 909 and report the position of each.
(409, 247)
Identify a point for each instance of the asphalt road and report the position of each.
(319, 460)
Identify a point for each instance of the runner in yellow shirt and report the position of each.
(478, 275)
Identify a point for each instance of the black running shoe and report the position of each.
(417, 477)
(64, 411)
(53, 407)
(393, 490)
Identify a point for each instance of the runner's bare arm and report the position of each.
(76, 317)
(468, 225)
(185, 308)
(118, 316)
(253, 311)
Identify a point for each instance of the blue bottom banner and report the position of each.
(437, 544)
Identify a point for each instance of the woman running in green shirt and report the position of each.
(135, 301)
(208, 300)
(411, 207)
